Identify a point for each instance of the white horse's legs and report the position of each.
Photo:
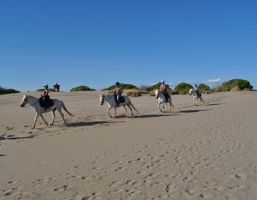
(201, 99)
(132, 114)
(108, 110)
(53, 115)
(115, 111)
(125, 109)
(41, 115)
(35, 120)
(64, 121)
(159, 106)
(195, 101)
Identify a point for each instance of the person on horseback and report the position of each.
(164, 89)
(118, 93)
(197, 91)
(45, 97)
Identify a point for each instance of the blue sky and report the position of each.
(99, 42)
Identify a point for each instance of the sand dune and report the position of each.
(195, 152)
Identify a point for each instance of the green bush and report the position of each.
(81, 88)
(234, 85)
(7, 91)
(124, 86)
(183, 88)
(203, 88)
(153, 87)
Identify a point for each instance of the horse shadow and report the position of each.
(92, 123)
(194, 111)
(11, 137)
(154, 115)
(214, 104)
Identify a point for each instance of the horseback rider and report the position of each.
(164, 89)
(45, 97)
(197, 91)
(118, 93)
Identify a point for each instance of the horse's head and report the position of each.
(24, 100)
(102, 96)
(156, 93)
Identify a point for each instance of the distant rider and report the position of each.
(45, 96)
(164, 89)
(118, 93)
(197, 91)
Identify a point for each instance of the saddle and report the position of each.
(166, 95)
(120, 99)
(198, 93)
(46, 102)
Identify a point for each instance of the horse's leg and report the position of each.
(195, 101)
(108, 110)
(35, 120)
(53, 115)
(170, 105)
(202, 100)
(62, 115)
(159, 105)
(132, 114)
(125, 109)
(41, 115)
(115, 111)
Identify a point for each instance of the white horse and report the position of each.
(162, 100)
(110, 99)
(34, 102)
(196, 96)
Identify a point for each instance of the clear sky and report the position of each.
(99, 42)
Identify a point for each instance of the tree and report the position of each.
(183, 88)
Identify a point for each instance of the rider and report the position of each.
(45, 96)
(118, 93)
(164, 89)
(197, 91)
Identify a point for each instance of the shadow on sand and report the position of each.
(11, 137)
(93, 123)
(155, 115)
(193, 111)
(214, 104)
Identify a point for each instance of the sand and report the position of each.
(195, 152)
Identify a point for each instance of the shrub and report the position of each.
(134, 93)
(234, 85)
(81, 88)
(183, 88)
(125, 86)
(153, 87)
(7, 91)
(203, 88)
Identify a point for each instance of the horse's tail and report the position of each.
(64, 107)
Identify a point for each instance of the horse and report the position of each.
(161, 99)
(34, 102)
(196, 95)
(110, 99)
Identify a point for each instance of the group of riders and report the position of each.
(45, 100)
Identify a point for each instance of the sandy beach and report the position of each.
(195, 152)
